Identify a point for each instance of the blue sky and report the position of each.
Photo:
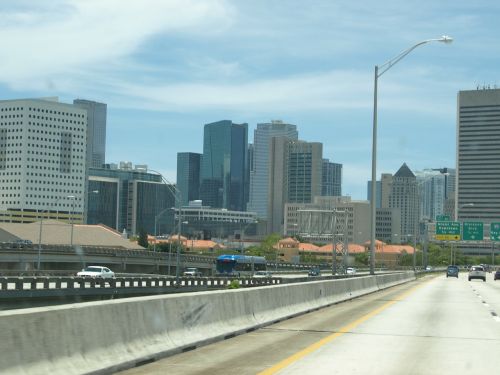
(165, 68)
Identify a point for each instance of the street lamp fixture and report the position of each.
(379, 70)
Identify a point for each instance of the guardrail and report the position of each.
(29, 287)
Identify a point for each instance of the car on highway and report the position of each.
(21, 243)
(263, 274)
(477, 272)
(314, 272)
(428, 268)
(96, 272)
(350, 271)
(192, 272)
(496, 275)
(452, 271)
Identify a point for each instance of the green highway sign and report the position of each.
(495, 231)
(473, 231)
(447, 230)
(442, 217)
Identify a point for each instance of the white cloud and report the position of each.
(81, 35)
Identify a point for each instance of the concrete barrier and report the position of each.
(101, 337)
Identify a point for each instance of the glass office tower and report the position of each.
(188, 176)
(223, 181)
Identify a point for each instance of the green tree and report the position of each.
(143, 238)
(362, 258)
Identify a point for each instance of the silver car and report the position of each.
(477, 272)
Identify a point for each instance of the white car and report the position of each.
(192, 272)
(262, 274)
(350, 270)
(96, 271)
(477, 272)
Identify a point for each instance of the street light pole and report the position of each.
(156, 225)
(334, 244)
(177, 199)
(378, 72)
(40, 242)
(71, 217)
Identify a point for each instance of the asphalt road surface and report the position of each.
(430, 326)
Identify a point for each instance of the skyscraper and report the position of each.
(305, 168)
(130, 198)
(478, 155)
(436, 186)
(96, 131)
(404, 196)
(332, 179)
(224, 165)
(295, 176)
(42, 160)
(188, 176)
(259, 166)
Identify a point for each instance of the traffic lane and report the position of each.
(258, 350)
(488, 293)
(440, 328)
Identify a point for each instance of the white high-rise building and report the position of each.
(42, 160)
(432, 191)
(435, 187)
(259, 168)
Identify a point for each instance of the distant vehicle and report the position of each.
(477, 272)
(21, 243)
(452, 271)
(350, 271)
(428, 268)
(263, 274)
(314, 272)
(239, 265)
(96, 272)
(496, 275)
(192, 272)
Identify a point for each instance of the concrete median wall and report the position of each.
(101, 337)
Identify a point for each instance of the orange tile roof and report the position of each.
(288, 240)
(396, 249)
(377, 242)
(307, 246)
(353, 248)
(203, 244)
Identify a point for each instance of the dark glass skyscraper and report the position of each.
(223, 181)
(332, 179)
(188, 176)
(131, 199)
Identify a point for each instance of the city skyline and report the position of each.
(183, 64)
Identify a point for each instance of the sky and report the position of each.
(167, 67)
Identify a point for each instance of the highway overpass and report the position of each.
(69, 260)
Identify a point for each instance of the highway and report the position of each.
(433, 325)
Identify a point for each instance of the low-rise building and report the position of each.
(206, 222)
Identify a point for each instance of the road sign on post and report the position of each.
(442, 217)
(473, 231)
(447, 230)
(495, 232)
